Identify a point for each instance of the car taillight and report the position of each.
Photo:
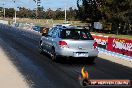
(63, 44)
(95, 45)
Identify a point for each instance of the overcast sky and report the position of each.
(53, 4)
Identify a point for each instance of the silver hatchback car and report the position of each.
(69, 42)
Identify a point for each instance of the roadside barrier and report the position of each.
(121, 46)
(101, 40)
(114, 46)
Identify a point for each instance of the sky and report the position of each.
(53, 4)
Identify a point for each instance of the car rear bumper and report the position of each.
(77, 53)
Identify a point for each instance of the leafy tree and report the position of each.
(41, 12)
(115, 11)
(1, 11)
(71, 14)
(10, 12)
(23, 12)
(59, 14)
(49, 13)
(88, 10)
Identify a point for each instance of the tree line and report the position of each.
(57, 14)
(116, 12)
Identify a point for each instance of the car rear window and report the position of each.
(78, 34)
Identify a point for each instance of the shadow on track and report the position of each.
(72, 61)
(79, 61)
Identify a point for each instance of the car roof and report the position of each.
(68, 27)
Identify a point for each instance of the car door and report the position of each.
(45, 40)
(51, 39)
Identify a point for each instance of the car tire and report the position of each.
(53, 55)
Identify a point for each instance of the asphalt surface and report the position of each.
(40, 72)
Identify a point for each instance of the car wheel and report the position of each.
(40, 48)
(53, 55)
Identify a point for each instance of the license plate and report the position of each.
(81, 54)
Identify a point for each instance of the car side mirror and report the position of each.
(44, 34)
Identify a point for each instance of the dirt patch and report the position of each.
(10, 77)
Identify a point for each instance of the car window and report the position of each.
(79, 34)
(50, 32)
(55, 33)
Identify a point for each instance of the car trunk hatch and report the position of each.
(80, 44)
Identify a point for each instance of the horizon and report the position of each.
(45, 4)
